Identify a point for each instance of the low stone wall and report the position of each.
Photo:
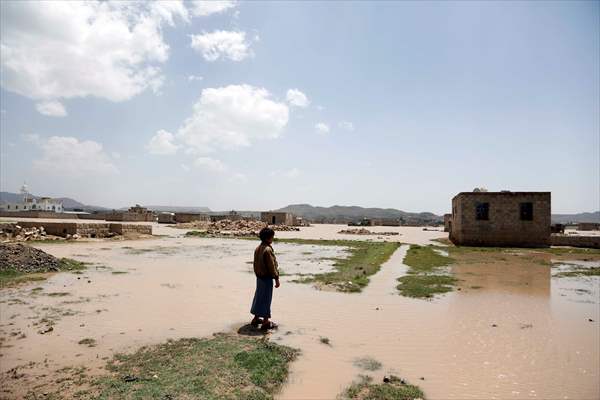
(129, 229)
(52, 228)
(85, 229)
(575, 241)
(37, 214)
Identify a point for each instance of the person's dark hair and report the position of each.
(266, 233)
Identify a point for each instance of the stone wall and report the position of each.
(588, 226)
(504, 226)
(85, 229)
(575, 241)
(131, 229)
(37, 214)
(189, 217)
(277, 218)
(129, 217)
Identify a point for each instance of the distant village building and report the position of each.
(588, 226)
(279, 218)
(136, 213)
(30, 203)
(520, 219)
(447, 222)
(189, 217)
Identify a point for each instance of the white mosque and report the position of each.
(30, 203)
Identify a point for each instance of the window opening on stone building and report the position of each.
(526, 211)
(482, 211)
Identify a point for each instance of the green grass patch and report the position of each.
(425, 259)
(425, 277)
(394, 389)
(351, 274)
(222, 367)
(12, 277)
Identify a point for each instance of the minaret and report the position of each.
(24, 192)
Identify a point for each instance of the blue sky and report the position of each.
(256, 105)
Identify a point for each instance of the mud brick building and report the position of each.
(278, 218)
(519, 219)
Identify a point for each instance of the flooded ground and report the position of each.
(509, 332)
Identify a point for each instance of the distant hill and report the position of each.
(581, 217)
(344, 214)
(182, 209)
(68, 203)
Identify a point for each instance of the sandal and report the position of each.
(271, 325)
(256, 322)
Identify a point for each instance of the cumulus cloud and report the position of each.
(54, 50)
(69, 157)
(233, 116)
(346, 125)
(210, 164)
(322, 128)
(51, 108)
(297, 98)
(162, 143)
(192, 78)
(216, 45)
(204, 8)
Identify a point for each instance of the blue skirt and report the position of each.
(261, 305)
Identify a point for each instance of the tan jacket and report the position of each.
(265, 263)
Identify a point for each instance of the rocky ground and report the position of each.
(26, 259)
(232, 227)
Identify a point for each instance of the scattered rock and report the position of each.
(590, 320)
(130, 378)
(363, 231)
(494, 326)
(26, 259)
(45, 330)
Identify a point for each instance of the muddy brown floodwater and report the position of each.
(508, 333)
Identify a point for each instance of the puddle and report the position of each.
(511, 332)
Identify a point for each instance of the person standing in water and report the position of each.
(266, 271)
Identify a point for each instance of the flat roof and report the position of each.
(503, 193)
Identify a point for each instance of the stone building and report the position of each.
(588, 226)
(278, 218)
(520, 219)
(31, 203)
(447, 222)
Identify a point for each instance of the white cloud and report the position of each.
(210, 164)
(185, 167)
(192, 78)
(322, 128)
(222, 44)
(233, 116)
(238, 177)
(207, 7)
(54, 50)
(116, 155)
(162, 143)
(346, 125)
(51, 108)
(68, 157)
(297, 98)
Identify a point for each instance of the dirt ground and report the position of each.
(510, 332)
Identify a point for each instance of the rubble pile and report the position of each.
(227, 227)
(16, 233)
(16, 256)
(363, 231)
